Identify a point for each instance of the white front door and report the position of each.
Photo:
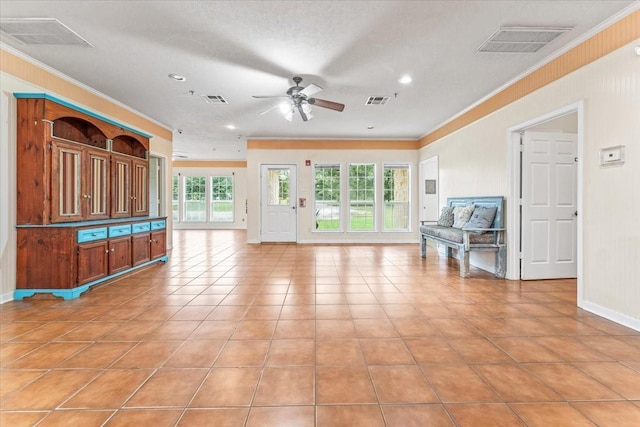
(428, 190)
(279, 220)
(549, 205)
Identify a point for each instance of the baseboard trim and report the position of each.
(6, 297)
(609, 314)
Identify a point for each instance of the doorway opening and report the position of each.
(279, 203)
(428, 190)
(566, 120)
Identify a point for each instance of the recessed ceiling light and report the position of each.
(637, 49)
(231, 127)
(406, 79)
(177, 77)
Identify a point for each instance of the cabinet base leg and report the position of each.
(73, 293)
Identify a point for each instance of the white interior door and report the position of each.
(428, 189)
(549, 205)
(279, 220)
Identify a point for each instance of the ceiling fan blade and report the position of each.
(302, 113)
(336, 106)
(269, 96)
(270, 109)
(310, 90)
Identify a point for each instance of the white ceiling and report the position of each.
(352, 49)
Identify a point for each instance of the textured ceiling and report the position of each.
(352, 49)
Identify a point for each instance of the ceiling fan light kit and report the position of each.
(300, 100)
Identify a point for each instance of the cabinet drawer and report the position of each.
(91, 234)
(141, 227)
(119, 230)
(158, 225)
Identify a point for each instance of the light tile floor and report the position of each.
(231, 334)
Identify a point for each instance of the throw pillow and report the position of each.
(482, 218)
(446, 217)
(461, 215)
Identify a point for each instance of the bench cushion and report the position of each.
(446, 217)
(482, 218)
(462, 214)
(454, 234)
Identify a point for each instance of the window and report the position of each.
(327, 197)
(195, 202)
(396, 197)
(221, 199)
(278, 187)
(361, 197)
(175, 199)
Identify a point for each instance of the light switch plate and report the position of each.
(610, 156)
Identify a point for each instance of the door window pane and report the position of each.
(69, 182)
(361, 197)
(278, 187)
(98, 200)
(222, 198)
(195, 201)
(175, 204)
(122, 187)
(327, 197)
(396, 197)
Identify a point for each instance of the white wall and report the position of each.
(239, 197)
(567, 123)
(306, 216)
(159, 147)
(474, 161)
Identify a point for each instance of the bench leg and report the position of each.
(449, 251)
(423, 247)
(463, 258)
(501, 262)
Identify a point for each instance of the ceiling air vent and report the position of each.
(41, 31)
(378, 100)
(214, 99)
(521, 39)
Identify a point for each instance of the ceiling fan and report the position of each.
(300, 99)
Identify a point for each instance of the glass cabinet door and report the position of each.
(66, 181)
(97, 185)
(140, 188)
(120, 187)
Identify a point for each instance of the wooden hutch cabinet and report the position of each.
(82, 199)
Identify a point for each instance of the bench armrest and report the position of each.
(497, 235)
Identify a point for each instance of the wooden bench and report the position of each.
(465, 240)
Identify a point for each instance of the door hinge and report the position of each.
(575, 159)
(50, 146)
(521, 148)
(521, 255)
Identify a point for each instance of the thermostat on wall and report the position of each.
(612, 155)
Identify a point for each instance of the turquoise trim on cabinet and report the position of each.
(120, 230)
(92, 234)
(68, 294)
(79, 109)
(140, 228)
(158, 225)
(108, 221)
